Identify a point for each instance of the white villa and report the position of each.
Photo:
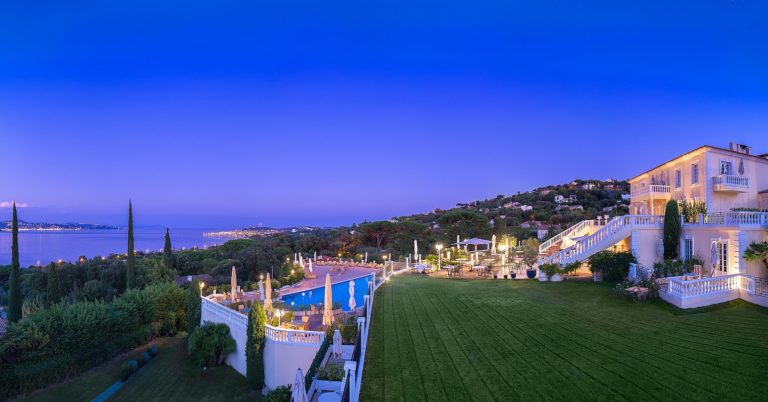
(733, 185)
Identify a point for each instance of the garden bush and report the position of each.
(61, 341)
(153, 350)
(145, 358)
(614, 266)
(279, 394)
(210, 344)
(331, 372)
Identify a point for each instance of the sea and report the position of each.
(42, 247)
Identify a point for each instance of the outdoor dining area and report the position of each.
(469, 258)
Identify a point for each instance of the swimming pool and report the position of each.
(339, 292)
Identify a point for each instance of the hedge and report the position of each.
(67, 339)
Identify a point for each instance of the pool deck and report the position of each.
(349, 274)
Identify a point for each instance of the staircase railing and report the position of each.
(543, 247)
(606, 234)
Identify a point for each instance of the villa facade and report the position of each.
(729, 187)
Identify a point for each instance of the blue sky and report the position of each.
(304, 112)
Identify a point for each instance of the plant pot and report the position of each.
(496, 277)
(531, 273)
(505, 276)
(513, 275)
(556, 278)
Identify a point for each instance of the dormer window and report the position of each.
(726, 168)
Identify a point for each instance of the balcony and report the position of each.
(730, 184)
(654, 190)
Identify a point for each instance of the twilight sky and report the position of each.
(233, 113)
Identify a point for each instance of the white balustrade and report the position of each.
(707, 286)
(225, 313)
(567, 233)
(731, 180)
(653, 188)
(286, 335)
(615, 230)
(735, 218)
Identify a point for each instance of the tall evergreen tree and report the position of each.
(15, 300)
(130, 272)
(254, 346)
(672, 229)
(168, 256)
(193, 306)
(53, 295)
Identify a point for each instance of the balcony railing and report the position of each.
(736, 218)
(661, 189)
(727, 182)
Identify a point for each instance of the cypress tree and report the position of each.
(193, 306)
(15, 300)
(254, 346)
(672, 229)
(54, 287)
(130, 273)
(168, 256)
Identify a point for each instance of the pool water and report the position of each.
(339, 291)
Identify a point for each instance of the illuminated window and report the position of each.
(695, 173)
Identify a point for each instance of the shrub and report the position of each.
(331, 372)
(550, 269)
(67, 338)
(210, 343)
(254, 346)
(669, 268)
(153, 350)
(312, 370)
(279, 394)
(671, 230)
(133, 365)
(145, 358)
(614, 266)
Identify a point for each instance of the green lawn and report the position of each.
(438, 339)
(169, 376)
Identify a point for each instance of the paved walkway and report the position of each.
(338, 274)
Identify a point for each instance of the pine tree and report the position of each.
(15, 300)
(671, 230)
(54, 286)
(130, 273)
(254, 346)
(193, 306)
(168, 256)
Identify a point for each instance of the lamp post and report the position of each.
(439, 248)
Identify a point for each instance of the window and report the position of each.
(725, 167)
(695, 173)
(678, 178)
(722, 256)
(687, 249)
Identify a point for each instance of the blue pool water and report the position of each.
(339, 291)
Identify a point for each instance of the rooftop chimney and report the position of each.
(740, 148)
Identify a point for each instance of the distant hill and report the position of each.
(550, 208)
(5, 226)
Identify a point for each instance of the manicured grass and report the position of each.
(169, 376)
(437, 339)
(91, 383)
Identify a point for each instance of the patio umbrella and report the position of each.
(366, 257)
(506, 251)
(336, 348)
(493, 245)
(315, 256)
(299, 391)
(261, 290)
(233, 292)
(415, 247)
(352, 303)
(713, 255)
(310, 265)
(268, 294)
(458, 240)
(328, 307)
(660, 249)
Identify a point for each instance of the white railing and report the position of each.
(577, 228)
(704, 286)
(616, 229)
(735, 218)
(653, 188)
(286, 335)
(225, 313)
(731, 180)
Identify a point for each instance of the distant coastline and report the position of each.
(5, 226)
(256, 232)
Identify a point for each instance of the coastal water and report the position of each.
(44, 247)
